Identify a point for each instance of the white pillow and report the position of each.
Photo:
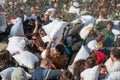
(114, 76)
(17, 28)
(6, 74)
(3, 25)
(93, 45)
(54, 30)
(87, 19)
(109, 64)
(16, 44)
(26, 58)
(85, 31)
(82, 54)
(115, 31)
(74, 10)
(46, 39)
(43, 54)
(90, 73)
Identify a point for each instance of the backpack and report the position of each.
(117, 43)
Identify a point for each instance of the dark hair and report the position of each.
(91, 62)
(79, 67)
(66, 75)
(116, 52)
(110, 23)
(60, 48)
(5, 59)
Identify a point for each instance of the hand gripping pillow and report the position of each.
(16, 44)
(55, 30)
(26, 58)
(17, 28)
(93, 45)
(82, 54)
(114, 76)
(90, 73)
(109, 64)
(6, 74)
(85, 31)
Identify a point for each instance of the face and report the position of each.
(102, 74)
(55, 52)
(109, 27)
(42, 33)
(46, 18)
(33, 39)
(86, 65)
(103, 71)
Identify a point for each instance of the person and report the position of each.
(58, 56)
(115, 57)
(37, 42)
(102, 72)
(6, 60)
(44, 71)
(45, 20)
(98, 55)
(66, 75)
(91, 61)
(79, 66)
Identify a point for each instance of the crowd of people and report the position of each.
(60, 40)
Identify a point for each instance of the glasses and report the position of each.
(34, 39)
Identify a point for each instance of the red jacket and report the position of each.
(101, 57)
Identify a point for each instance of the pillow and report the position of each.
(43, 54)
(26, 59)
(82, 54)
(6, 74)
(114, 76)
(87, 19)
(17, 28)
(54, 30)
(46, 39)
(109, 64)
(16, 44)
(90, 73)
(85, 31)
(93, 45)
(115, 31)
(3, 25)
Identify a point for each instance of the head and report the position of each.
(5, 59)
(79, 66)
(55, 5)
(58, 50)
(19, 74)
(91, 62)
(35, 36)
(109, 25)
(115, 54)
(102, 71)
(46, 63)
(42, 32)
(66, 75)
(46, 18)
